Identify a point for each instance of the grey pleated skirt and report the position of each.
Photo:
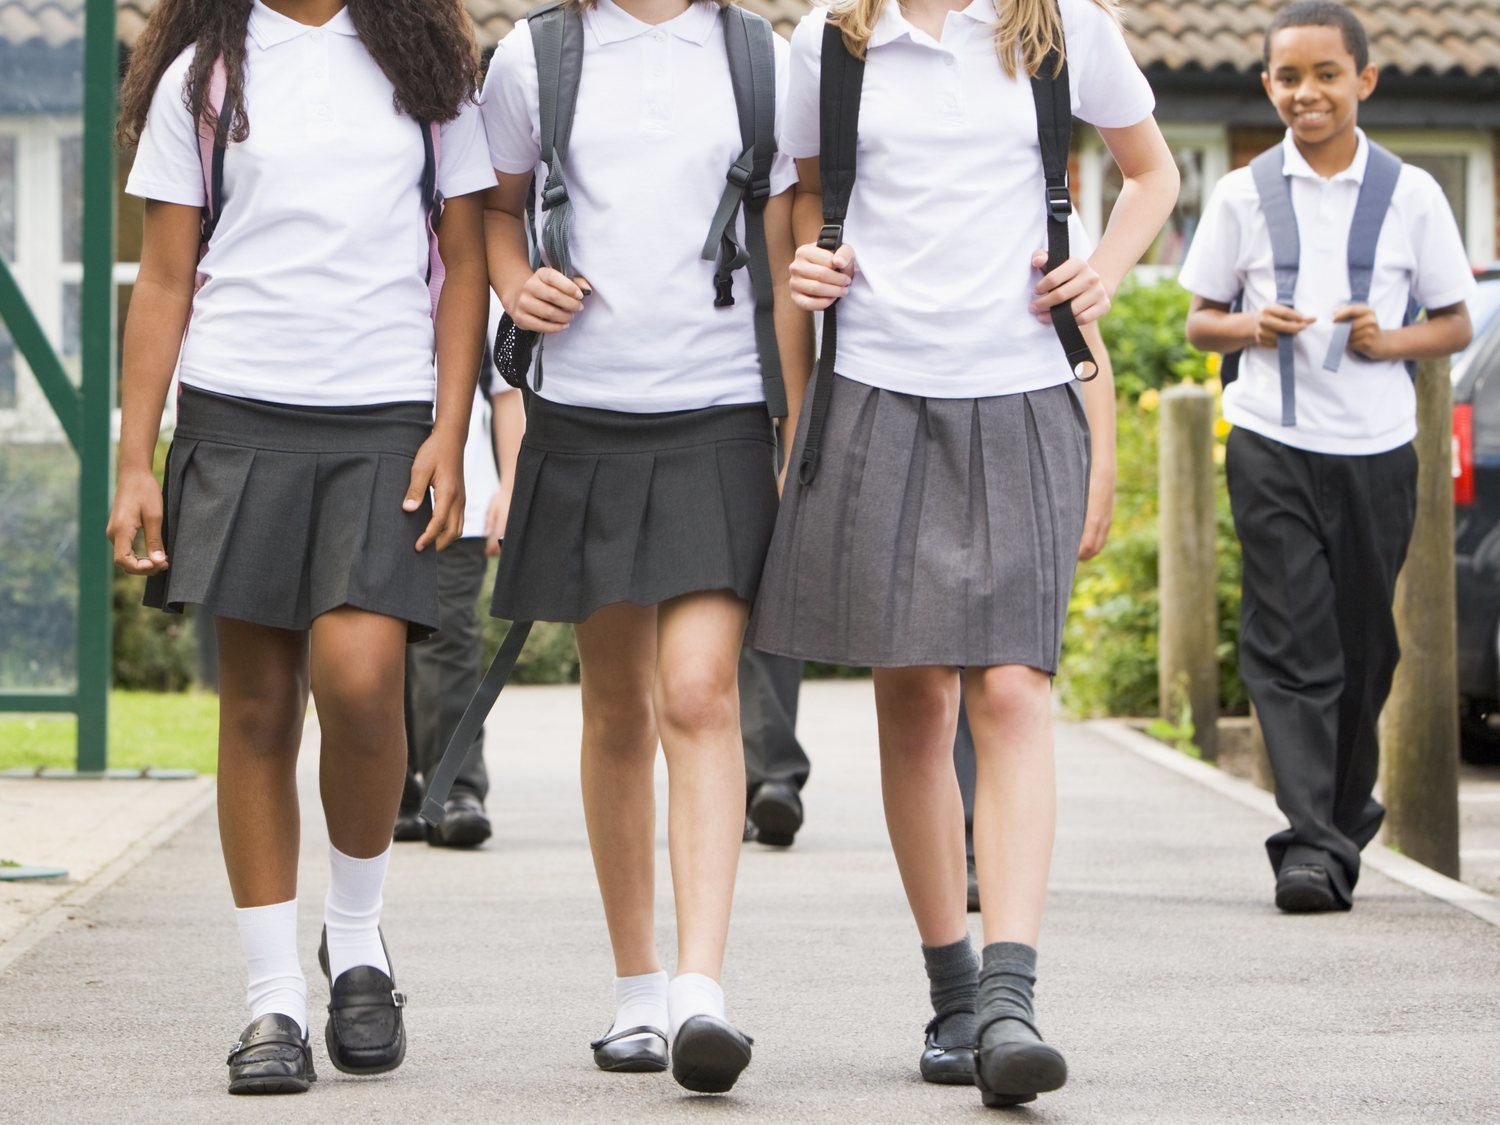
(275, 514)
(936, 532)
(616, 507)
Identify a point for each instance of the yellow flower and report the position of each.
(1222, 428)
(1150, 399)
(1213, 361)
(1218, 454)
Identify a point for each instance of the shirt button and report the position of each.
(949, 60)
(659, 36)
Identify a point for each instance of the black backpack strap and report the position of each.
(213, 205)
(748, 38)
(457, 750)
(432, 200)
(557, 40)
(842, 83)
(1054, 131)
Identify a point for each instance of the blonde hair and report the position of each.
(1025, 34)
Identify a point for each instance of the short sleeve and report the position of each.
(800, 121)
(1443, 275)
(783, 167)
(168, 166)
(464, 163)
(1211, 268)
(1108, 89)
(508, 105)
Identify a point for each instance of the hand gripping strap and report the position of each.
(557, 40)
(1275, 192)
(1054, 130)
(469, 726)
(842, 83)
(1382, 170)
(749, 41)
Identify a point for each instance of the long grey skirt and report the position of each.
(616, 507)
(936, 532)
(275, 514)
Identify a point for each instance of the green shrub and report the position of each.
(1147, 346)
(39, 565)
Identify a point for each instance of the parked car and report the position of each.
(1476, 495)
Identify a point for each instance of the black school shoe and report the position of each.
(465, 824)
(409, 827)
(639, 1056)
(776, 812)
(272, 1056)
(946, 1066)
(1013, 1065)
(1305, 888)
(365, 1033)
(709, 1055)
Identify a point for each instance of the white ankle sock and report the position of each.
(268, 935)
(640, 1001)
(352, 911)
(693, 994)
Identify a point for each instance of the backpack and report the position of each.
(1274, 188)
(213, 143)
(557, 42)
(839, 96)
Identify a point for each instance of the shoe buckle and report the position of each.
(398, 998)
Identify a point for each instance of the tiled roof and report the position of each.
(1409, 36)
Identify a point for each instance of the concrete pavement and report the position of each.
(1178, 992)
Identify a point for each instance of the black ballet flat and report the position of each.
(946, 1066)
(1014, 1065)
(365, 1032)
(272, 1056)
(640, 1056)
(709, 1055)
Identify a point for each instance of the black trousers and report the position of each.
(1323, 538)
(442, 673)
(769, 687)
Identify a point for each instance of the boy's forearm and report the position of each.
(1218, 330)
(1444, 332)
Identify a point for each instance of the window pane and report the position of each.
(71, 157)
(1451, 173)
(72, 319)
(1171, 245)
(8, 198)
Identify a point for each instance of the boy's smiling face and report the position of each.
(1316, 84)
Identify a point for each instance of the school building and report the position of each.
(1438, 106)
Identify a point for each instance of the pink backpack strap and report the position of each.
(433, 207)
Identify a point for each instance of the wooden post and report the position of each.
(1419, 726)
(1187, 661)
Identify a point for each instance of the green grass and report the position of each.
(168, 731)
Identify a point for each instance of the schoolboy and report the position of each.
(1322, 473)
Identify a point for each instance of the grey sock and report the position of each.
(953, 982)
(1005, 982)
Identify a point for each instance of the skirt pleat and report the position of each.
(937, 532)
(276, 514)
(612, 507)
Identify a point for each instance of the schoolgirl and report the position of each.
(296, 505)
(936, 535)
(646, 488)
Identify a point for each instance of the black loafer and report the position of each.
(776, 812)
(1305, 888)
(709, 1055)
(365, 1033)
(409, 827)
(1013, 1065)
(465, 824)
(272, 1056)
(749, 830)
(638, 1056)
(946, 1066)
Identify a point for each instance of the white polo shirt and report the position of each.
(655, 133)
(316, 289)
(1364, 407)
(948, 204)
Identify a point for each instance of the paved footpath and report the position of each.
(1178, 992)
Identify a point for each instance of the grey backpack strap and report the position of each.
(557, 40)
(1286, 252)
(748, 38)
(1382, 171)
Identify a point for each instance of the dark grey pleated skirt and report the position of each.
(937, 532)
(275, 513)
(616, 507)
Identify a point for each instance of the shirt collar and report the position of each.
(892, 25)
(269, 28)
(1293, 163)
(611, 23)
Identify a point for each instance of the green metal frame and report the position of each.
(85, 412)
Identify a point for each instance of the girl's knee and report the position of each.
(1007, 692)
(363, 688)
(697, 698)
(265, 722)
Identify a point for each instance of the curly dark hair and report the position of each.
(425, 47)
